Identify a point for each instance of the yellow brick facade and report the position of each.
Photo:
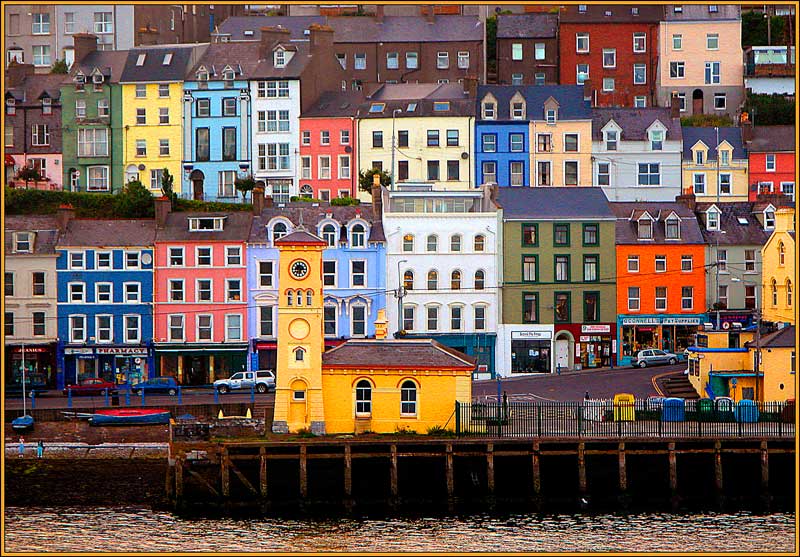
(152, 132)
(780, 375)
(558, 156)
(735, 168)
(778, 258)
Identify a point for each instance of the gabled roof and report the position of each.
(242, 57)
(108, 232)
(423, 96)
(569, 97)
(627, 228)
(612, 13)
(301, 236)
(527, 26)
(333, 104)
(735, 233)
(236, 228)
(732, 135)
(312, 216)
(154, 70)
(292, 70)
(237, 25)
(782, 338)
(408, 354)
(772, 139)
(110, 62)
(31, 90)
(634, 122)
(45, 227)
(580, 203)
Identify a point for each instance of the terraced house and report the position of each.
(715, 165)
(152, 106)
(771, 159)
(92, 119)
(527, 49)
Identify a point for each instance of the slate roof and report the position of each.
(154, 70)
(242, 57)
(732, 135)
(110, 62)
(108, 232)
(771, 139)
(554, 203)
(627, 230)
(634, 122)
(400, 95)
(44, 226)
(236, 228)
(34, 86)
(569, 98)
(602, 13)
(293, 69)
(736, 234)
(335, 104)
(312, 216)
(527, 26)
(782, 338)
(301, 236)
(394, 29)
(396, 354)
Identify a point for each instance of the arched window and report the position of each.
(788, 293)
(433, 280)
(306, 191)
(480, 279)
(299, 297)
(408, 280)
(408, 242)
(455, 280)
(299, 355)
(289, 298)
(455, 242)
(363, 398)
(408, 398)
(357, 236)
(433, 243)
(774, 292)
(309, 297)
(479, 242)
(279, 230)
(329, 235)
(781, 254)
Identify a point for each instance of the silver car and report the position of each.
(653, 357)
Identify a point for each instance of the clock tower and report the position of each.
(301, 339)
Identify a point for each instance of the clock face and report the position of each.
(299, 269)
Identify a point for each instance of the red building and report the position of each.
(328, 144)
(615, 47)
(771, 159)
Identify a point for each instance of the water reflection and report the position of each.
(139, 529)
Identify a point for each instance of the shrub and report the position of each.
(706, 121)
(245, 185)
(769, 110)
(365, 179)
(439, 431)
(134, 201)
(208, 206)
(345, 201)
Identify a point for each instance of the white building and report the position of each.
(636, 153)
(443, 248)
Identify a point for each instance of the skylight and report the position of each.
(167, 59)
(441, 106)
(411, 107)
(377, 107)
(140, 59)
(743, 220)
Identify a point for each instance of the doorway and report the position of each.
(197, 177)
(564, 350)
(697, 101)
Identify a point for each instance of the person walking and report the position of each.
(39, 449)
(21, 447)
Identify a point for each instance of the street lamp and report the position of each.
(391, 171)
(757, 315)
(719, 225)
(400, 295)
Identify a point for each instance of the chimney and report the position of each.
(85, 44)
(269, 203)
(430, 13)
(747, 128)
(321, 39)
(687, 199)
(675, 106)
(377, 199)
(587, 90)
(163, 207)
(147, 35)
(381, 325)
(471, 87)
(64, 214)
(379, 13)
(17, 73)
(783, 219)
(258, 200)
(270, 36)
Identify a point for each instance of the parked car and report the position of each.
(35, 385)
(263, 379)
(653, 357)
(91, 386)
(166, 385)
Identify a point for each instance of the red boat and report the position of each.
(130, 416)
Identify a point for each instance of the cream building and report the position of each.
(779, 266)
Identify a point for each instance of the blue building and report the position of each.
(217, 121)
(354, 272)
(514, 131)
(104, 273)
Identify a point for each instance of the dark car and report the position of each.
(166, 385)
(91, 386)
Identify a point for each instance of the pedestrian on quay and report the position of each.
(586, 396)
(21, 447)
(39, 449)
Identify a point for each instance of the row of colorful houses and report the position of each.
(526, 280)
(277, 109)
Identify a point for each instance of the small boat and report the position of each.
(130, 416)
(22, 423)
(221, 416)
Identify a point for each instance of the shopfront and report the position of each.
(122, 365)
(201, 365)
(671, 333)
(596, 346)
(523, 349)
(40, 366)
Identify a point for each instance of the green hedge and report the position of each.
(706, 121)
(209, 206)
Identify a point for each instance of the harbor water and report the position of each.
(138, 529)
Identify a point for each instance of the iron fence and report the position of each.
(641, 418)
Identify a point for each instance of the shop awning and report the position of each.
(734, 374)
(9, 160)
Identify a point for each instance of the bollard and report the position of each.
(105, 394)
(216, 396)
(558, 369)
(252, 393)
(69, 397)
(127, 397)
(33, 400)
(141, 391)
(180, 395)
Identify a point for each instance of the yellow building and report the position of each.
(152, 112)
(377, 385)
(778, 265)
(778, 364)
(705, 171)
(551, 147)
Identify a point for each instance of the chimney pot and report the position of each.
(675, 106)
(379, 13)
(85, 44)
(163, 206)
(258, 200)
(64, 214)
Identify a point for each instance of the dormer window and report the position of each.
(551, 115)
(140, 59)
(80, 78)
(611, 140)
(97, 78)
(645, 228)
(357, 236)
(582, 8)
(518, 110)
(202, 75)
(411, 107)
(167, 59)
(206, 223)
(489, 111)
(280, 58)
(279, 230)
(228, 74)
(672, 228)
(376, 108)
(441, 106)
(23, 242)
(769, 219)
(725, 157)
(656, 140)
(699, 157)
(47, 105)
(712, 219)
(248, 33)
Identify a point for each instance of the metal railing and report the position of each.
(644, 418)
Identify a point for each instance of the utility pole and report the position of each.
(400, 294)
(757, 363)
(391, 172)
(719, 232)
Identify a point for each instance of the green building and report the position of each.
(93, 137)
(558, 279)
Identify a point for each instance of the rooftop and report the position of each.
(634, 122)
(397, 354)
(733, 135)
(571, 105)
(108, 232)
(554, 203)
(522, 26)
(44, 226)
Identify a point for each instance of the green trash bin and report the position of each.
(705, 410)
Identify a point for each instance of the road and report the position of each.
(190, 396)
(574, 385)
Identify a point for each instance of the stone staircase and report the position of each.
(678, 385)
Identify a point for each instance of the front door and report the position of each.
(562, 353)
(697, 101)
(197, 189)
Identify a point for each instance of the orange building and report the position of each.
(661, 282)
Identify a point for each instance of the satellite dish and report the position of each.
(147, 258)
(465, 155)
(348, 149)
(141, 167)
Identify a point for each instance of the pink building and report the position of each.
(200, 302)
(328, 145)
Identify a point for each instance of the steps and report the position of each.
(679, 386)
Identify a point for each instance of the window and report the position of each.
(41, 24)
(163, 147)
(639, 42)
(713, 8)
(609, 57)
(488, 111)
(480, 279)
(229, 107)
(722, 296)
(442, 60)
(639, 101)
(769, 219)
(433, 170)
(749, 260)
(516, 79)
(639, 74)
(9, 330)
(103, 110)
(750, 296)
(633, 263)
(571, 173)
(23, 242)
(204, 256)
(456, 313)
(478, 243)
(205, 327)
(571, 142)
(518, 110)
(408, 242)
(781, 254)
(489, 142)
(76, 260)
(363, 398)
(463, 60)
(412, 60)
(687, 297)
(433, 138)
(233, 290)
(608, 84)
(163, 90)
(39, 329)
(489, 172)
(233, 327)
(539, 78)
(132, 292)
(661, 298)
(725, 184)
(265, 274)
(358, 273)
(40, 134)
(279, 58)
(712, 41)
(661, 264)
(141, 116)
(328, 318)
(392, 61)
(402, 138)
(202, 144)
(41, 55)
(530, 234)
(561, 234)
(603, 174)
(38, 283)
(408, 399)
(93, 142)
(408, 317)
(204, 290)
(788, 293)
(9, 135)
(453, 170)
(455, 243)
(69, 23)
(452, 138)
(672, 229)
(562, 306)
(633, 298)
(539, 51)
(712, 73)
(324, 169)
(516, 51)
(402, 170)
(720, 103)
(344, 135)
(517, 171)
(562, 268)
(77, 327)
(103, 292)
(649, 174)
(357, 236)
(611, 140)
(233, 255)
(582, 73)
(358, 320)
(324, 135)
(530, 264)
(132, 325)
(480, 318)
(582, 42)
(176, 290)
(432, 313)
(774, 289)
(77, 292)
(656, 140)
(645, 229)
(176, 327)
(226, 186)
(104, 328)
(699, 183)
(591, 263)
(377, 139)
(551, 115)
(530, 308)
(455, 280)
(686, 263)
(591, 306)
(677, 42)
(433, 280)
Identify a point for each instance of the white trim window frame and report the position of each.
(128, 296)
(230, 326)
(204, 322)
(108, 295)
(76, 292)
(176, 325)
(204, 290)
(134, 326)
(81, 321)
(104, 334)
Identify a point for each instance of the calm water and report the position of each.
(121, 529)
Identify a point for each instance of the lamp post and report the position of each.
(719, 231)
(391, 171)
(757, 316)
(400, 295)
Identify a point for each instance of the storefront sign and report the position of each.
(122, 350)
(681, 321)
(641, 320)
(595, 328)
(518, 335)
(30, 350)
(78, 351)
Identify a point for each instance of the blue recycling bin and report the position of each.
(673, 410)
(746, 412)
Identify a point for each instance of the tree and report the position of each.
(59, 67)
(245, 184)
(755, 32)
(491, 40)
(166, 184)
(134, 201)
(365, 179)
(769, 110)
